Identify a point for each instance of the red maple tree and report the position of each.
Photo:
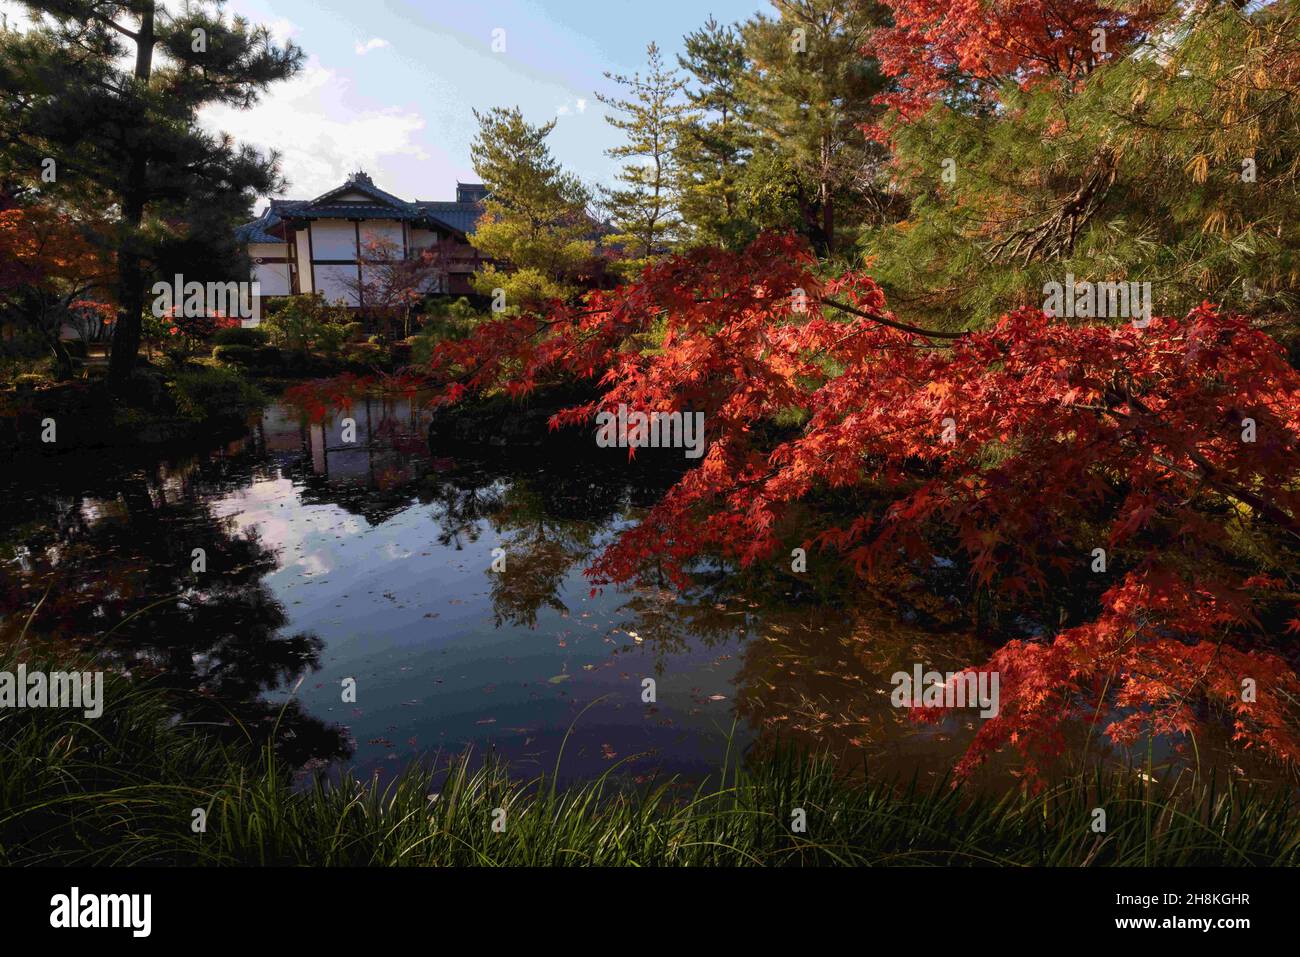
(54, 271)
(936, 46)
(1015, 451)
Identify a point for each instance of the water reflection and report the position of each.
(372, 559)
(109, 555)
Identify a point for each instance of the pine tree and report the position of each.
(810, 92)
(712, 139)
(535, 226)
(644, 210)
(100, 110)
(1178, 170)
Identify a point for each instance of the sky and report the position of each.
(388, 85)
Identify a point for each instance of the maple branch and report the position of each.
(1210, 475)
(893, 323)
(834, 304)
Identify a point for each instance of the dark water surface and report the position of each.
(373, 561)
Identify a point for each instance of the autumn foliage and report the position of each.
(1016, 451)
(43, 249)
(939, 48)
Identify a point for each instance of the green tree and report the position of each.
(643, 208)
(1179, 170)
(100, 109)
(713, 137)
(809, 92)
(535, 225)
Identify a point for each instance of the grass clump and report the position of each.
(123, 789)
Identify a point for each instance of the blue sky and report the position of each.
(389, 84)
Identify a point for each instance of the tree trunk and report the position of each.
(130, 271)
(62, 361)
(828, 218)
(54, 340)
(126, 332)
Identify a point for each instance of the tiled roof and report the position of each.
(260, 229)
(314, 210)
(460, 217)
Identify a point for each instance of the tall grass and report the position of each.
(123, 788)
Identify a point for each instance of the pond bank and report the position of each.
(134, 788)
(162, 405)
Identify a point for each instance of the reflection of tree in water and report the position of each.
(116, 558)
(672, 623)
(122, 547)
(553, 518)
(821, 678)
(541, 551)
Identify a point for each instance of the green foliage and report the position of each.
(460, 308)
(808, 93)
(643, 209)
(111, 91)
(212, 393)
(241, 336)
(121, 789)
(1179, 169)
(235, 353)
(306, 323)
(535, 217)
(711, 148)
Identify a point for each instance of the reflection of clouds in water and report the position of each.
(95, 510)
(303, 535)
(313, 565)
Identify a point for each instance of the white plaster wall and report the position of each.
(333, 239)
(304, 264)
(332, 283)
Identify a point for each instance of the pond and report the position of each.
(448, 585)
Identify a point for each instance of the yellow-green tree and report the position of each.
(535, 227)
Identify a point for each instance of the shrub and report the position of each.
(303, 323)
(235, 353)
(270, 357)
(207, 393)
(354, 331)
(454, 325)
(241, 336)
(330, 338)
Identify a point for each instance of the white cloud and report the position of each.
(321, 132)
(282, 30)
(566, 108)
(374, 43)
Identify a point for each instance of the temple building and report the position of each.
(321, 245)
